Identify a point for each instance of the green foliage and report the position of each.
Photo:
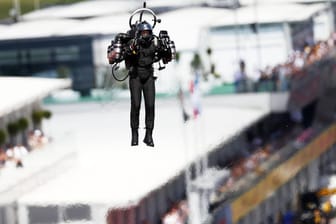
(23, 123)
(196, 63)
(2, 137)
(13, 128)
(209, 51)
(37, 116)
(216, 75)
(178, 54)
(47, 114)
(63, 72)
(212, 69)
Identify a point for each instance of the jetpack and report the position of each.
(116, 51)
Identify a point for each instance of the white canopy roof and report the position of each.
(109, 171)
(37, 28)
(3, 27)
(176, 22)
(100, 25)
(269, 14)
(83, 10)
(96, 8)
(16, 92)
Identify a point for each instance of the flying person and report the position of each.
(140, 49)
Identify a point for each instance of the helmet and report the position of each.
(144, 26)
(144, 30)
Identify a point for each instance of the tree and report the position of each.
(23, 126)
(177, 57)
(196, 62)
(2, 137)
(12, 129)
(212, 65)
(213, 71)
(209, 51)
(63, 72)
(47, 114)
(37, 117)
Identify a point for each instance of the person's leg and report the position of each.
(149, 95)
(135, 89)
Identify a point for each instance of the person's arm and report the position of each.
(131, 48)
(130, 53)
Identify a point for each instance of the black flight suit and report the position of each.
(142, 80)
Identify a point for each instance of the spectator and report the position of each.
(3, 157)
(20, 151)
(263, 81)
(279, 218)
(275, 77)
(283, 78)
(185, 115)
(37, 139)
(240, 78)
(289, 217)
(270, 219)
(15, 154)
(10, 152)
(249, 164)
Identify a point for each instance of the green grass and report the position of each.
(28, 5)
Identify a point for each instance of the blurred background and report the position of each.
(245, 126)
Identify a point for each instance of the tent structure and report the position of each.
(37, 29)
(23, 91)
(110, 173)
(83, 10)
(104, 25)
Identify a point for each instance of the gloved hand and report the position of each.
(110, 55)
(133, 47)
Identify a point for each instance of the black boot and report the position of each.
(135, 136)
(148, 140)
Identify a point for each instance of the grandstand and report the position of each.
(296, 167)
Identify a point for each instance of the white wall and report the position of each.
(229, 45)
(322, 26)
(99, 49)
